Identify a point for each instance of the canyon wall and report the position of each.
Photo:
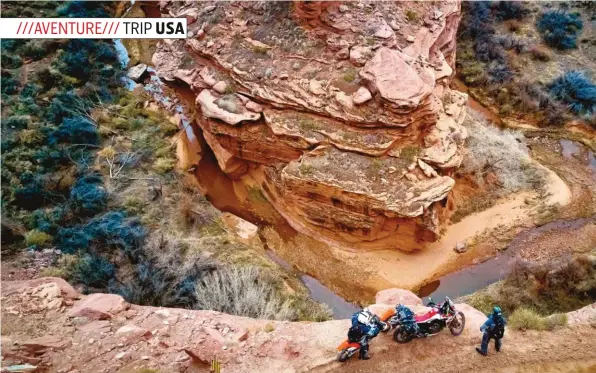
(341, 111)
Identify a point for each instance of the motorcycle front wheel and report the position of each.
(401, 336)
(456, 327)
(344, 355)
(386, 327)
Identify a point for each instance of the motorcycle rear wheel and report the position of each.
(400, 336)
(344, 355)
(458, 323)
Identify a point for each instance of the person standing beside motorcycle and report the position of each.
(493, 328)
(365, 326)
(407, 317)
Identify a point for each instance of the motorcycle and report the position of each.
(440, 316)
(347, 349)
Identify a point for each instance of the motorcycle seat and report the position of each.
(426, 316)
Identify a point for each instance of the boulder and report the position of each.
(137, 72)
(396, 81)
(396, 296)
(254, 107)
(428, 170)
(461, 247)
(384, 31)
(132, 333)
(343, 54)
(67, 292)
(359, 55)
(344, 100)
(220, 87)
(228, 110)
(361, 96)
(207, 77)
(99, 306)
(244, 230)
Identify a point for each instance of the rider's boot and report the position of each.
(364, 354)
(480, 351)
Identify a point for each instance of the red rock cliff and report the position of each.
(341, 110)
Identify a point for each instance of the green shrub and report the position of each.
(349, 76)
(306, 169)
(87, 196)
(11, 61)
(165, 276)
(576, 90)
(164, 165)
(31, 136)
(268, 328)
(9, 84)
(17, 121)
(411, 15)
(255, 194)
(560, 29)
(37, 238)
(524, 318)
(93, 271)
(53, 272)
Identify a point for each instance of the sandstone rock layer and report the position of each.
(343, 112)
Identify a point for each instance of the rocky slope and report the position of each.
(342, 112)
(48, 325)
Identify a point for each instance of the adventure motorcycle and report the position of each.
(347, 349)
(440, 316)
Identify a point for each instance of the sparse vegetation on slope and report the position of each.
(548, 287)
(497, 161)
(248, 292)
(89, 168)
(508, 53)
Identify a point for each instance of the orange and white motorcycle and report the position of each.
(347, 349)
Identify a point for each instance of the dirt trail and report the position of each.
(44, 324)
(408, 270)
(564, 350)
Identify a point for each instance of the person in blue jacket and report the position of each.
(408, 320)
(493, 328)
(365, 326)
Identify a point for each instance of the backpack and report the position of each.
(355, 334)
(499, 328)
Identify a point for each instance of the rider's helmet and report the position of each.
(365, 317)
(497, 311)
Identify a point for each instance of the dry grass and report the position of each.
(244, 292)
(503, 154)
(541, 53)
(524, 319)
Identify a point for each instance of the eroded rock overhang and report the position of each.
(347, 112)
